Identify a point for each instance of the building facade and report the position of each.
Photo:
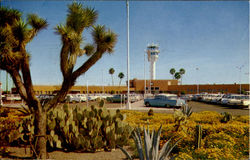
(146, 86)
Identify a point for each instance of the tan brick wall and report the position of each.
(138, 86)
(45, 89)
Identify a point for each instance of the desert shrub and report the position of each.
(150, 112)
(219, 140)
(212, 153)
(206, 117)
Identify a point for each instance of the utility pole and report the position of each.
(87, 95)
(144, 74)
(6, 87)
(197, 69)
(240, 67)
(128, 99)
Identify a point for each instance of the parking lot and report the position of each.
(139, 106)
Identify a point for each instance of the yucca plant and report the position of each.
(151, 145)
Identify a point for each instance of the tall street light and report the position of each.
(128, 99)
(240, 67)
(197, 69)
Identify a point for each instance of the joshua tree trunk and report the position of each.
(40, 133)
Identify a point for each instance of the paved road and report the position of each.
(139, 106)
(196, 107)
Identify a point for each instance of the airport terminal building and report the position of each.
(147, 86)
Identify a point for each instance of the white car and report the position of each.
(224, 100)
(72, 98)
(82, 97)
(234, 100)
(245, 101)
(216, 98)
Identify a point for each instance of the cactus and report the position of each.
(226, 117)
(79, 128)
(101, 103)
(198, 136)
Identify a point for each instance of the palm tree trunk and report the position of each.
(112, 80)
(120, 82)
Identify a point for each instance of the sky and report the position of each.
(212, 36)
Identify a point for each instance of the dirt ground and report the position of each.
(19, 153)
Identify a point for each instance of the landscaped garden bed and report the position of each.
(223, 136)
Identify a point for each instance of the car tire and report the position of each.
(147, 104)
(167, 106)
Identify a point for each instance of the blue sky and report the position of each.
(213, 36)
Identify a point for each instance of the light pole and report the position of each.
(197, 69)
(240, 67)
(128, 99)
(87, 94)
(144, 74)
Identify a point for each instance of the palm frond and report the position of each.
(36, 22)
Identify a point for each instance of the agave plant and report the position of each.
(151, 145)
(186, 110)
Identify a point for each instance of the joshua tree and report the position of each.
(111, 72)
(15, 34)
(172, 72)
(182, 72)
(121, 76)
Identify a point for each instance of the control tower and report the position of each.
(152, 51)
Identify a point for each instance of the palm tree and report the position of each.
(172, 72)
(121, 76)
(182, 72)
(177, 75)
(111, 72)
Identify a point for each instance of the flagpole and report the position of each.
(128, 99)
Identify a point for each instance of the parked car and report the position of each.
(83, 97)
(186, 97)
(237, 100)
(217, 98)
(164, 100)
(72, 98)
(245, 102)
(211, 98)
(224, 100)
(117, 98)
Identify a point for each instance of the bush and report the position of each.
(150, 112)
(219, 140)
